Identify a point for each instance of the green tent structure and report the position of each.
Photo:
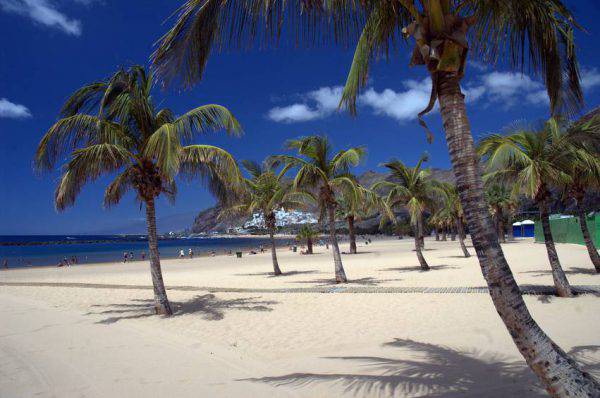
(566, 229)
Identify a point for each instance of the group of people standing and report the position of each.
(182, 253)
(128, 256)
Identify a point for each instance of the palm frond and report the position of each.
(532, 33)
(203, 119)
(84, 99)
(118, 188)
(204, 26)
(64, 136)
(215, 167)
(164, 147)
(87, 164)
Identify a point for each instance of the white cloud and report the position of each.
(402, 105)
(590, 78)
(503, 89)
(504, 85)
(506, 89)
(538, 97)
(324, 102)
(293, 113)
(12, 110)
(45, 13)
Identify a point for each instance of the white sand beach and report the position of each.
(89, 331)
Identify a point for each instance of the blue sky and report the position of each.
(52, 47)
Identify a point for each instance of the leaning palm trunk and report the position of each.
(563, 289)
(421, 234)
(501, 228)
(559, 374)
(461, 237)
(161, 302)
(276, 269)
(340, 275)
(511, 232)
(309, 245)
(352, 234)
(418, 249)
(587, 238)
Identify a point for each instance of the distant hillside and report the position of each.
(206, 221)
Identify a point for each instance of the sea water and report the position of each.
(49, 250)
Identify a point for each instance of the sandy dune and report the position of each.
(96, 341)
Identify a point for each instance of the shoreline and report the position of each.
(283, 240)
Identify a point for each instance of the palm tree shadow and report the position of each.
(569, 271)
(208, 306)
(418, 269)
(439, 372)
(368, 281)
(456, 256)
(272, 275)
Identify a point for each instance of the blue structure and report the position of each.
(524, 229)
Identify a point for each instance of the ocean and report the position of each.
(49, 250)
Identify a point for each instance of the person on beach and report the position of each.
(181, 253)
(5, 264)
(191, 253)
(125, 255)
(130, 255)
(143, 255)
(66, 262)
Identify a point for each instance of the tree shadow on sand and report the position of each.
(438, 372)
(368, 281)
(418, 269)
(208, 306)
(272, 275)
(457, 256)
(570, 271)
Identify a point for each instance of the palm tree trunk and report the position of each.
(444, 234)
(452, 234)
(420, 228)
(352, 234)
(563, 289)
(309, 245)
(340, 275)
(461, 237)
(501, 228)
(422, 261)
(276, 269)
(558, 373)
(511, 232)
(161, 301)
(437, 234)
(589, 244)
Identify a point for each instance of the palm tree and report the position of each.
(498, 198)
(531, 162)
(533, 32)
(412, 189)
(354, 204)
(454, 212)
(308, 234)
(112, 126)
(583, 166)
(326, 173)
(264, 192)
